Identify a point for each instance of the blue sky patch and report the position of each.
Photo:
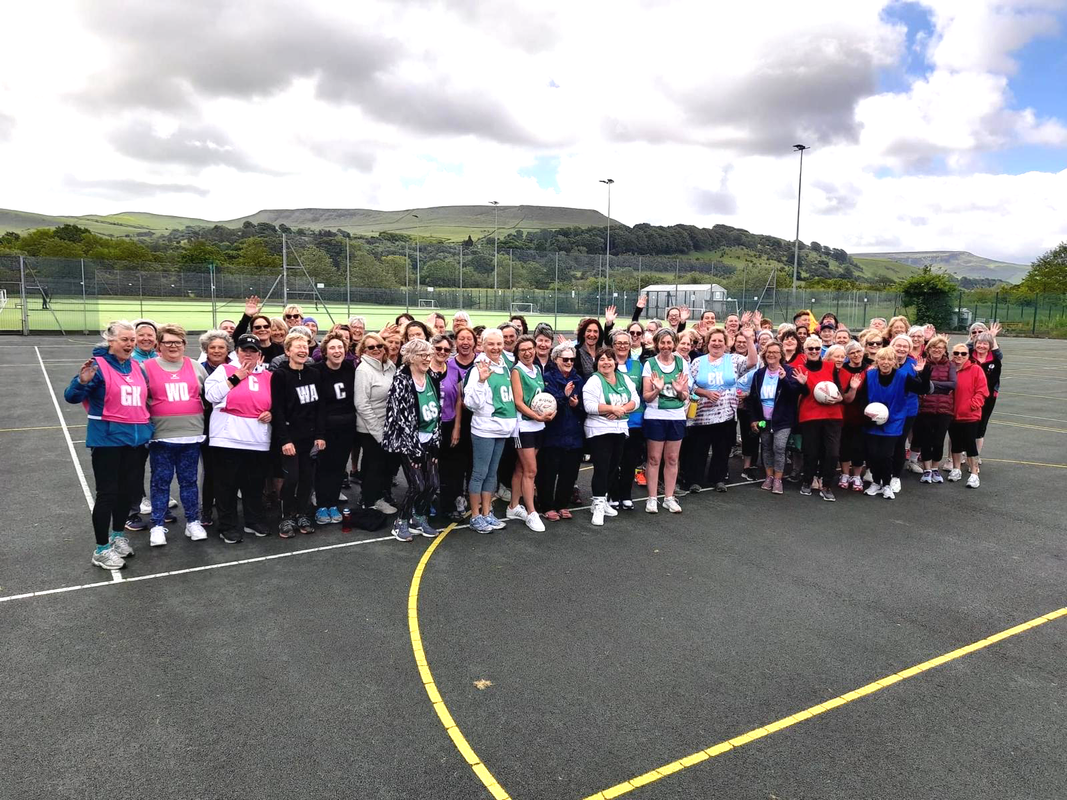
(544, 170)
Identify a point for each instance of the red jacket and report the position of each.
(810, 408)
(971, 392)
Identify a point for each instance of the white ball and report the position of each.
(827, 392)
(877, 412)
(543, 403)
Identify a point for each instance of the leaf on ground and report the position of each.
(482, 683)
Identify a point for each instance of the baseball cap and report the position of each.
(248, 341)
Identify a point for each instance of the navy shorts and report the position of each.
(664, 430)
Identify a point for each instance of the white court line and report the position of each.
(115, 577)
(203, 568)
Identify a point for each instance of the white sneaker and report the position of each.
(913, 466)
(651, 506)
(894, 484)
(518, 512)
(504, 493)
(158, 536)
(384, 507)
(108, 559)
(534, 523)
(857, 483)
(195, 531)
(955, 475)
(146, 506)
(973, 482)
(888, 493)
(874, 489)
(172, 503)
(946, 465)
(598, 511)
(342, 497)
(671, 505)
(609, 511)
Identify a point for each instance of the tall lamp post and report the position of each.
(607, 249)
(800, 148)
(496, 227)
(418, 264)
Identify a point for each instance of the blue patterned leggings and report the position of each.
(166, 459)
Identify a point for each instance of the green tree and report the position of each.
(1048, 274)
(930, 294)
(200, 252)
(368, 272)
(71, 233)
(254, 256)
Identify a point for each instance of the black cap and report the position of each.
(248, 341)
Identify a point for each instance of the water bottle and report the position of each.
(346, 520)
(761, 424)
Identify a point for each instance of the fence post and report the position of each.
(214, 309)
(996, 306)
(1033, 330)
(85, 310)
(555, 293)
(22, 296)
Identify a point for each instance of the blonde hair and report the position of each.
(833, 349)
(173, 330)
(895, 320)
(293, 336)
(935, 341)
(369, 337)
(293, 308)
(887, 354)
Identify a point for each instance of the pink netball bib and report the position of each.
(173, 393)
(249, 398)
(124, 395)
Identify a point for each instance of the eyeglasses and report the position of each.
(812, 349)
(171, 344)
(261, 327)
(292, 316)
(373, 346)
(443, 349)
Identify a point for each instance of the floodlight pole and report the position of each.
(496, 227)
(796, 244)
(285, 273)
(418, 263)
(607, 249)
(348, 278)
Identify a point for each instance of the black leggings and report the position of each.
(423, 481)
(720, 437)
(456, 463)
(557, 473)
(633, 455)
(750, 441)
(821, 440)
(606, 453)
(880, 457)
(332, 466)
(298, 472)
(377, 468)
(119, 474)
(244, 470)
(929, 435)
(899, 452)
(987, 412)
(207, 494)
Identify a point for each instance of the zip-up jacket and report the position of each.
(971, 392)
(100, 432)
(373, 379)
(401, 433)
(565, 429)
(295, 408)
(942, 398)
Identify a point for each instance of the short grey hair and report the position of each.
(210, 336)
(562, 348)
(358, 321)
(818, 341)
(413, 349)
(111, 332)
(852, 346)
(987, 337)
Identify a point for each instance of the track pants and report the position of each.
(168, 459)
(332, 466)
(119, 481)
(606, 453)
(557, 473)
(244, 470)
(821, 440)
(455, 464)
(633, 455)
(298, 472)
(880, 451)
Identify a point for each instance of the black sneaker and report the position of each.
(720, 487)
(827, 495)
(805, 490)
(135, 523)
(794, 477)
(168, 518)
(303, 522)
(694, 488)
(207, 523)
(346, 483)
(258, 528)
(287, 529)
(230, 537)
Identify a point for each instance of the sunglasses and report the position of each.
(443, 349)
(261, 327)
(566, 360)
(961, 355)
(373, 346)
(635, 333)
(292, 316)
(812, 349)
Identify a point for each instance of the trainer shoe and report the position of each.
(258, 528)
(609, 511)
(424, 526)
(972, 481)
(534, 523)
(913, 466)
(135, 523)
(640, 478)
(857, 483)
(778, 488)
(694, 488)
(108, 559)
(928, 476)
(767, 484)
(146, 506)
(827, 494)
(842, 482)
(230, 537)
(805, 490)
(172, 503)
(336, 515)
(627, 505)
(720, 486)
(195, 531)
(383, 506)
(121, 545)
(400, 531)
(158, 536)
(937, 477)
(498, 524)
(597, 511)
(894, 484)
(503, 493)
(303, 522)
(955, 475)
(480, 524)
(287, 528)
(671, 505)
(168, 518)
(322, 516)
(517, 512)
(888, 493)
(874, 489)
(946, 465)
(651, 506)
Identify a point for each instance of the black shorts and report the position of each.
(531, 439)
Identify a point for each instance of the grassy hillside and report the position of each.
(956, 262)
(884, 268)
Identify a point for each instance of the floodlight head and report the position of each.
(609, 181)
(494, 203)
(801, 147)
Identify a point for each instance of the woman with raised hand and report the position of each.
(113, 390)
(936, 410)
(240, 437)
(217, 348)
(888, 383)
(636, 333)
(972, 392)
(591, 337)
(986, 354)
(633, 450)
(665, 389)
(608, 398)
(455, 458)
(413, 435)
(255, 322)
(561, 455)
(374, 376)
(526, 382)
(337, 391)
(773, 402)
(298, 427)
(176, 406)
(852, 424)
(487, 394)
(820, 421)
(902, 346)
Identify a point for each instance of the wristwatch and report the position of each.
(234, 380)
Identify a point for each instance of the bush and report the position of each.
(930, 294)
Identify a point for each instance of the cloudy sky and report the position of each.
(939, 124)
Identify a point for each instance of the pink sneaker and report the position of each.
(767, 485)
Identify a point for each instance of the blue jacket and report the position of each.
(785, 399)
(566, 429)
(102, 433)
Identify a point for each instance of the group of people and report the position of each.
(283, 422)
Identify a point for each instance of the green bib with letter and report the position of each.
(668, 397)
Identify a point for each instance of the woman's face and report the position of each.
(772, 357)
(335, 352)
(277, 333)
(981, 348)
(565, 362)
(802, 332)
(526, 353)
(936, 352)
(421, 362)
(733, 324)
(442, 351)
(885, 364)
(146, 338)
(248, 359)
(374, 348)
(665, 346)
(741, 346)
(216, 352)
(605, 365)
(392, 347)
(543, 346)
(357, 330)
(346, 335)
(789, 346)
(855, 357)
(646, 339)
(465, 343)
(838, 358)
(438, 325)
(414, 332)
(897, 328)
(717, 345)
(635, 335)
(261, 328)
(459, 322)
(901, 349)
(592, 335)
(123, 343)
(621, 347)
(297, 351)
(842, 338)
(652, 326)
(509, 338)
(917, 339)
(872, 346)
(493, 347)
(827, 335)
(674, 316)
(685, 344)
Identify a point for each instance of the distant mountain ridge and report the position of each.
(956, 262)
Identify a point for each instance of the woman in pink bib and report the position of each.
(113, 390)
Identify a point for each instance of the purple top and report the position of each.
(450, 386)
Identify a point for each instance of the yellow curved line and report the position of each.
(458, 739)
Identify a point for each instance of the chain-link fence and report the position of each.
(50, 295)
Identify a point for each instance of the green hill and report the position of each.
(955, 262)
